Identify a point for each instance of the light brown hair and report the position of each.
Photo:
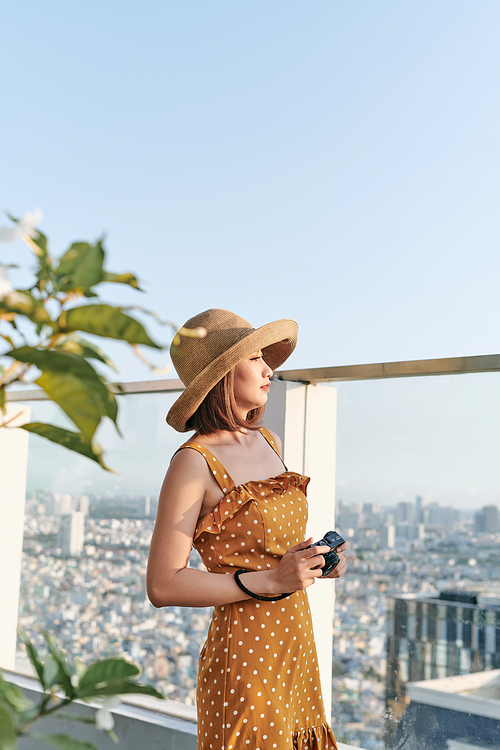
(218, 411)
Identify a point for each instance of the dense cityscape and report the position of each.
(83, 578)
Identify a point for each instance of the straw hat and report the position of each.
(202, 360)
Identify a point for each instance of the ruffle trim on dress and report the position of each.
(281, 484)
(240, 496)
(315, 738)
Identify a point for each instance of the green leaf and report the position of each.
(3, 408)
(45, 271)
(62, 666)
(42, 243)
(62, 741)
(8, 733)
(74, 343)
(106, 670)
(22, 302)
(122, 278)
(121, 687)
(107, 321)
(50, 671)
(80, 268)
(75, 397)
(33, 657)
(56, 361)
(91, 388)
(14, 696)
(73, 441)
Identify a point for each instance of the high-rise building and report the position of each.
(83, 504)
(439, 637)
(388, 536)
(71, 534)
(438, 515)
(409, 532)
(458, 715)
(348, 516)
(486, 519)
(404, 513)
(421, 513)
(60, 504)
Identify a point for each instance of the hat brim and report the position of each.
(277, 341)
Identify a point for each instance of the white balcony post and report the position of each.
(13, 467)
(305, 416)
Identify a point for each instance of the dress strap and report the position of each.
(272, 442)
(223, 479)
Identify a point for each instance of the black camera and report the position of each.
(333, 540)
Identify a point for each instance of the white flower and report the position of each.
(103, 716)
(5, 285)
(25, 227)
(8, 295)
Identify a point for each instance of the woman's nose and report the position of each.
(268, 373)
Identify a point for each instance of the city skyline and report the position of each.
(95, 601)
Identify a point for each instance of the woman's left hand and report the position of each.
(341, 568)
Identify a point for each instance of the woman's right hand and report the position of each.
(299, 567)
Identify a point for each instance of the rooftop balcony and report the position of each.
(400, 429)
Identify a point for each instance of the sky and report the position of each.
(332, 162)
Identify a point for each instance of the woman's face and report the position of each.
(251, 382)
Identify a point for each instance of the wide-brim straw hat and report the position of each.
(209, 345)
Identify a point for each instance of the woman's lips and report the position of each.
(266, 387)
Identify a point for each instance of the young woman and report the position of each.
(228, 493)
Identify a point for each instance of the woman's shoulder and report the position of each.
(275, 437)
(188, 457)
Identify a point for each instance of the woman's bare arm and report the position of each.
(171, 583)
(169, 580)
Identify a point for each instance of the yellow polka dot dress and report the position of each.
(258, 680)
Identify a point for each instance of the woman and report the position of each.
(231, 496)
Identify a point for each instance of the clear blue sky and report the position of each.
(333, 162)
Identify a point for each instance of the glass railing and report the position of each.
(87, 534)
(417, 494)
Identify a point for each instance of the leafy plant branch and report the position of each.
(61, 686)
(42, 326)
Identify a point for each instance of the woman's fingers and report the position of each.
(302, 564)
(345, 545)
(301, 545)
(315, 551)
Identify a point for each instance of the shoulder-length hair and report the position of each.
(218, 411)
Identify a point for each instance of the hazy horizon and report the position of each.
(396, 439)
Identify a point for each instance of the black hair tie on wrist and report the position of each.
(257, 596)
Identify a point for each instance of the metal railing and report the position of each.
(313, 375)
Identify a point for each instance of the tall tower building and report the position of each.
(83, 504)
(429, 638)
(62, 504)
(388, 536)
(491, 517)
(404, 513)
(71, 534)
(486, 519)
(421, 503)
